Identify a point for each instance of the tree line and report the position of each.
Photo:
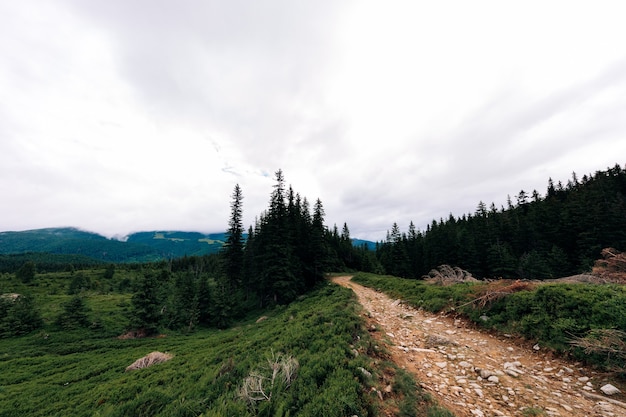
(282, 256)
(535, 237)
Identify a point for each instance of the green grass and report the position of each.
(82, 373)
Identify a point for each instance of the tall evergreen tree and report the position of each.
(233, 251)
(276, 257)
(319, 244)
(146, 303)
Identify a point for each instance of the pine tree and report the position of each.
(145, 313)
(19, 316)
(319, 245)
(74, 315)
(26, 273)
(279, 265)
(233, 251)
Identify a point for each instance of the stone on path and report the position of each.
(609, 389)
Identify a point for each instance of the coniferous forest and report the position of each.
(534, 237)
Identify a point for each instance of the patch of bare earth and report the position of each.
(474, 373)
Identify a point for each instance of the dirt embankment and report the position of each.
(475, 373)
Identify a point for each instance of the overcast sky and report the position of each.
(128, 115)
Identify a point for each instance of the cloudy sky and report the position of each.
(127, 115)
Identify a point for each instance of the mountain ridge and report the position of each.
(144, 246)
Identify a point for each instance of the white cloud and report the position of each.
(123, 116)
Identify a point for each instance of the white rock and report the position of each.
(485, 373)
(423, 350)
(464, 364)
(536, 347)
(493, 379)
(583, 379)
(365, 372)
(567, 408)
(441, 364)
(609, 389)
(512, 373)
(478, 413)
(478, 392)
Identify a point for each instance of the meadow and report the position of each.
(339, 368)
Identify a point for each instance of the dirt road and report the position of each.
(474, 373)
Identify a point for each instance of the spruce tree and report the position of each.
(75, 314)
(145, 313)
(278, 265)
(233, 251)
(319, 244)
(26, 273)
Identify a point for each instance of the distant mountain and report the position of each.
(138, 247)
(368, 243)
(174, 244)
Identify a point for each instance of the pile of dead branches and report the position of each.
(612, 266)
(497, 290)
(448, 275)
(611, 342)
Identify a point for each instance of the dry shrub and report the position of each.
(612, 266)
(133, 334)
(150, 359)
(448, 275)
(259, 385)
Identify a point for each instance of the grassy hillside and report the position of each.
(341, 369)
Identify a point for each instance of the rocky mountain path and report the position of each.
(474, 373)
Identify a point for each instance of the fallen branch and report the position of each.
(496, 291)
(609, 341)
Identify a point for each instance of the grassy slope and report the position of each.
(82, 372)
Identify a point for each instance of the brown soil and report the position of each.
(474, 373)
